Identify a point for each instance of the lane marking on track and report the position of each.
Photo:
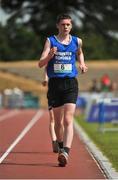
(8, 115)
(22, 134)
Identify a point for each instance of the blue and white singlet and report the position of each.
(63, 64)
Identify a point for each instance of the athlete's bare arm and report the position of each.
(45, 81)
(47, 54)
(80, 57)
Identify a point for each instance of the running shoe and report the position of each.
(63, 158)
(55, 146)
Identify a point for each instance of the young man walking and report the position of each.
(59, 55)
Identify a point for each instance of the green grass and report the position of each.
(107, 141)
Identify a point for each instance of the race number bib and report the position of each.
(62, 68)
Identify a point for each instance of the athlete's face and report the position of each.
(64, 26)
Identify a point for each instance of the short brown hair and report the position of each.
(63, 16)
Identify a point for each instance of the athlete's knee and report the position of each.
(68, 120)
(58, 124)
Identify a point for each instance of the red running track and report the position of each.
(26, 152)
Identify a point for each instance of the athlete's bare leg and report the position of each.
(69, 110)
(66, 136)
(52, 126)
(58, 116)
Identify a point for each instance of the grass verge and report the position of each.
(107, 141)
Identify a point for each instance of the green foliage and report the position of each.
(5, 51)
(94, 15)
(31, 21)
(95, 47)
(18, 43)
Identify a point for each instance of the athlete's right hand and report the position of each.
(53, 51)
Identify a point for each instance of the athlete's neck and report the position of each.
(64, 38)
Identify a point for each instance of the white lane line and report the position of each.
(22, 134)
(8, 115)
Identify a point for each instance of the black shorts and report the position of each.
(62, 91)
(50, 108)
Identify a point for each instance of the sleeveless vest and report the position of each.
(63, 64)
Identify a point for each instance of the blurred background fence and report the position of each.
(16, 98)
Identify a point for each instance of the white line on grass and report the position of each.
(21, 135)
(101, 160)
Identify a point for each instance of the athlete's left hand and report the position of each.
(83, 68)
(44, 83)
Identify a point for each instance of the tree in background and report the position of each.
(18, 43)
(94, 20)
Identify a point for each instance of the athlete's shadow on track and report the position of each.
(31, 152)
(31, 164)
(48, 164)
(28, 152)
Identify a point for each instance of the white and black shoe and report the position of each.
(63, 158)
